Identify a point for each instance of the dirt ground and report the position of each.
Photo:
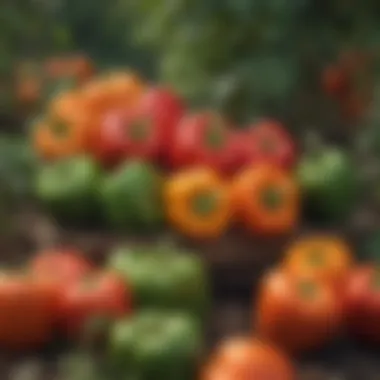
(235, 263)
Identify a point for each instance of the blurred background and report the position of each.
(305, 61)
(312, 65)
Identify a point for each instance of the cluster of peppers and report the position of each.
(152, 320)
(118, 151)
(198, 202)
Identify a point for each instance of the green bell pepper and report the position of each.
(164, 278)
(155, 345)
(69, 188)
(329, 183)
(132, 196)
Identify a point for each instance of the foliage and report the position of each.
(17, 165)
(250, 57)
(28, 31)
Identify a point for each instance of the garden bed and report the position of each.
(236, 262)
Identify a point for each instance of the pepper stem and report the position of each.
(139, 130)
(204, 204)
(60, 129)
(272, 198)
(214, 137)
(307, 289)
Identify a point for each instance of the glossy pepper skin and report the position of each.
(247, 359)
(63, 132)
(197, 203)
(328, 181)
(362, 303)
(202, 139)
(269, 142)
(155, 345)
(125, 134)
(322, 256)
(131, 197)
(164, 109)
(96, 298)
(163, 279)
(266, 200)
(68, 189)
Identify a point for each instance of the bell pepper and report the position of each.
(202, 139)
(269, 142)
(163, 278)
(164, 109)
(64, 130)
(155, 345)
(328, 181)
(123, 133)
(68, 189)
(131, 196)
(266, 200)
(197, 203)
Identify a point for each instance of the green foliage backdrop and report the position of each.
(248, 58)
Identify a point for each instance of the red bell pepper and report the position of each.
(165, 109)
(145, 131)
(270, 142)
(124, 133)
(202, 139)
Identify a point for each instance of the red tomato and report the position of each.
(164, 109)
(243, 359)
(97, 296)
(269, 142)
(60, 265)
(202, 139)
(362, 303)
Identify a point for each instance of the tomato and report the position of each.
(63, 265)
(164, 109)
(243, 359)
(327, 257)
(297, 313)
(271, 143)
(362, 303)
(27, 312)
(202, 139)
(95, 297)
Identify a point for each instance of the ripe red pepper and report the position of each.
(98, 297)
(269, 142)
(202, 139)
(60, 265)
(362, 303)
(145, 131)
(165, 109)
(124, 133)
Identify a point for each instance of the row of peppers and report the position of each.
(197, 202)
(116, 120)
(153, 320)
